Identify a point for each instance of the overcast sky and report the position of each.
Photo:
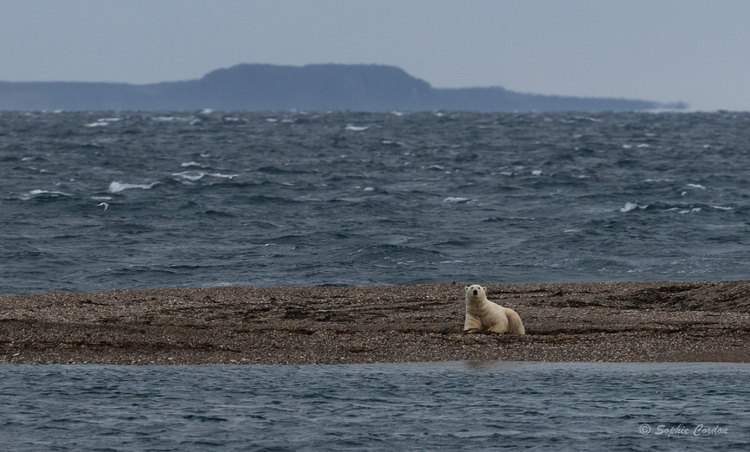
(695, 51)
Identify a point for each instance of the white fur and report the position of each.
(483, 314)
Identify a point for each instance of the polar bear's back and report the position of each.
(515, 326)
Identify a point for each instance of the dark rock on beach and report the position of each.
(610, 322)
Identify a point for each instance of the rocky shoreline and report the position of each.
(606, 322)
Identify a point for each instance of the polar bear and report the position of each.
(483, 314)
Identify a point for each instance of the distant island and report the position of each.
(316, 87)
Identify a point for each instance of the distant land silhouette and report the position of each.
(317, 87)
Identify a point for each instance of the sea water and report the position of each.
(119, 200)
(450, 406)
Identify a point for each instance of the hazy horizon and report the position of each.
(664, 51)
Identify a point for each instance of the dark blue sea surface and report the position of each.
(277, 199)
(451, 406)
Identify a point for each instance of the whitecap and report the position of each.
(626, 146)
(43, 193)
(206, 111)
(643, 146)
(629, 206)
(189, 164)
(189, 176)
(232, 119)
(398, 113)
(536, 173)
(172, 118)
(722, 208)
(96, 124)
(455, 200)
(109, 119)
(117, 187)
(369, 189)
(101, 198)
(194, 176)
(632, 206)
(356, 128)
(699, 186)
(228, 176)
(693, 210)
(271, 119)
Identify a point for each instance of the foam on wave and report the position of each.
(117, 187)
(43, 194)
(193, 176)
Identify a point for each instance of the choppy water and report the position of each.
(213, 198)
(451, 406)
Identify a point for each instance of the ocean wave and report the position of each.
(117, 187)
(632, 206)
(455, 200)
(43, 194)
(276, 170)
(189, 176)
(192, 176)
(101, 122)
(174, 119)
(354, 128)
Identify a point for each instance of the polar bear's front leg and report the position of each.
(472, 323)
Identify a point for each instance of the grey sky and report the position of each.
(666, 50)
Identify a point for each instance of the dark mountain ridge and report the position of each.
(317, 87)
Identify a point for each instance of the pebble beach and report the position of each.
(596, 322)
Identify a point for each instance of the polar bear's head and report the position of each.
(475, 292)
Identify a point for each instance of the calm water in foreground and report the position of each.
(447, 406)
